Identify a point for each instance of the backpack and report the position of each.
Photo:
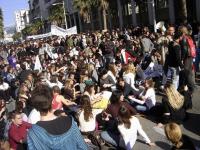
(191, 47)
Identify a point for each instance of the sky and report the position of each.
(9, 7)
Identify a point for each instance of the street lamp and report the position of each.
(63, 3)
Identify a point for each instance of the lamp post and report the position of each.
(63, 3)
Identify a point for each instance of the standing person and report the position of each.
(52, 132)
(17, 133)
(188, 74)
(128, 127)
(173, 61)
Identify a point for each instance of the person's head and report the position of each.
(103, 73)
(41, 99)
(171, 30)
(59, 113)
(116, 97)
(177, 36)
(175, 99)
(121, 82)
(90, 89)
(19, 106)
(56, 90)
(86, 107)
(124, 116)
(149, 83)
(129, 68)
(30, 77)
(69, 83)
(174, 134)
(16, 118)
(183, 30)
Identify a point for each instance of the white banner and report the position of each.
(55, 30)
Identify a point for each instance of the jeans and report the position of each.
(107, 137)
(114, 139)
(141, 108)
(197, 60)
(173, 75)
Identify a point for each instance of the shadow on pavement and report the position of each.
(192, 123)
(163, 145)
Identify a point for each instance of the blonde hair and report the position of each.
(174, 134)
(130, 68)
(175, 99)
(183, 30)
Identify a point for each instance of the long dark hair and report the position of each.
(124, 117)
(86, 107)
(115, 97)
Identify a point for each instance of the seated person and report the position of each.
(56, 132)
(18, 132)
(180, 141)
(148, 100)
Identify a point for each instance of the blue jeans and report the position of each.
(173, 75)
(107, 137)
(141, 108)
(114, 139)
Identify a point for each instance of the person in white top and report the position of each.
(129, 77)
(148, 100)
(128, 127)
(34, 116)
(87, 122)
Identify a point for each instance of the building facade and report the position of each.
(21, 19)
(40, 9)
(121, 13)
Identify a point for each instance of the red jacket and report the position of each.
(17, 133)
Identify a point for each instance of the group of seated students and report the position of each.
(111, 109)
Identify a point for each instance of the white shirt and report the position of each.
(34, 116)
(86, 126)
(4, 86)
(129, 78)
(130, 135)
(150, 98)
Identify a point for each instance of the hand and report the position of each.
(151, 144)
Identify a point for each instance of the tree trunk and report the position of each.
(104, 19)
(134, 17)
(120, 14)
(183, 11)
(100, 18)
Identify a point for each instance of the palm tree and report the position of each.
(1, 25)
(56, 15)
(104, 5)
(85, 7)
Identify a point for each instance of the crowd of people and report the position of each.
(86, 90)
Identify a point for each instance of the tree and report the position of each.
(183, 10)
(1, 25)
(17, 36)
(104, 5)
(85, 7)
(56, 15)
